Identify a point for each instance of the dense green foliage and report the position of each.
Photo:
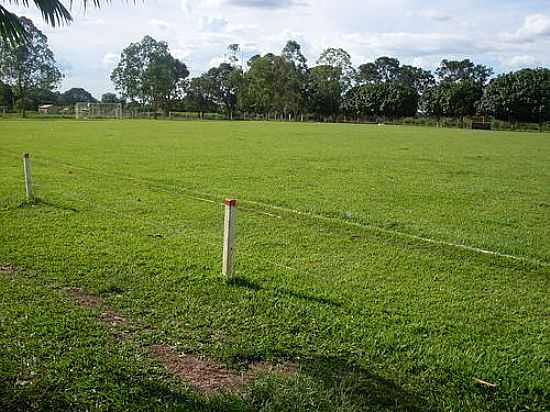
(459, 90)
(110, 98)
(28, 67)
(391, 99)
(76, 95)
(522, 96)
(374, 320)
(6, 96)
(148, 74)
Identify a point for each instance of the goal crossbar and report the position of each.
(98, 110)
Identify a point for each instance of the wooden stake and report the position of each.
(229, 236)
(28, 175)
(485, 383)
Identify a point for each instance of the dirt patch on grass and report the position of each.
(204, 375)
(114, 321)
(8, 270)
(286, 369)
(84, 299)
(112, 318)
(209, 377)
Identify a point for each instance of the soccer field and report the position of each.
(378, 268)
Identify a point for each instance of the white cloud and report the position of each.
(517, 62)
(535, 26)
(213, 24)
(216, 61)
(160, 24)
(264, 4)
(93, 22)
(241, 28)
(181, 54)
(187, 5)
(435, 15)
(110, 59)
(415, 44)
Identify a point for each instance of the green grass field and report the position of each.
(357, 262)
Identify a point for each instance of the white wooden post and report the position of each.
(28, 175)
(229, 236)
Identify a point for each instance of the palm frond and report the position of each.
(11, 29)
(53, 11)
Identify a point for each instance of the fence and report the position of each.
(269, 235)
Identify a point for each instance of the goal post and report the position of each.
(98, 111)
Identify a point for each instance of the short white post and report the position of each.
(28, 175)
(229, 236)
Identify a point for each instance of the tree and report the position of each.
(341, 60)
(257, 92)
(29, 66)
(522, 96)
(368, 73)
(292, 53)
(148, 74)
(200, 95)
(225, 80)
(399, 100)
(76, 95)
(388, 99)
(457, 70)
(388, 69)
(458, 99)
(296, 90)
(325, 90)
(6, 97)
(233, 53)
(363, 100)
(385, 69)
(416, 77)
(459, 90)
(434, 102)
(110, 98)
(128, 75)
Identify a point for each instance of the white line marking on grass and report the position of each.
(185, 191)
(400, 234)
(317, 216)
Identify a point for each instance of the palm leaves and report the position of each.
(53, 12)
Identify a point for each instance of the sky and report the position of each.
(505, 34)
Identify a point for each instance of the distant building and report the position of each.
(48, 109)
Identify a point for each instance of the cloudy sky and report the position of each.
(506, 34)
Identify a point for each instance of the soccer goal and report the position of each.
(98, 110)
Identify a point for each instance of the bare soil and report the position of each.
(84, 299)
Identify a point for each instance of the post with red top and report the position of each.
(229, 236)
(28, 175)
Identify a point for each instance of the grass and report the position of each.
(375, 319)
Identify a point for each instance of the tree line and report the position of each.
(285, 86)
(148, 77)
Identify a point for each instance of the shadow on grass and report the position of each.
(362, 388)
(128, 395)
(41, 202)
(248, 284)
(326, 383)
